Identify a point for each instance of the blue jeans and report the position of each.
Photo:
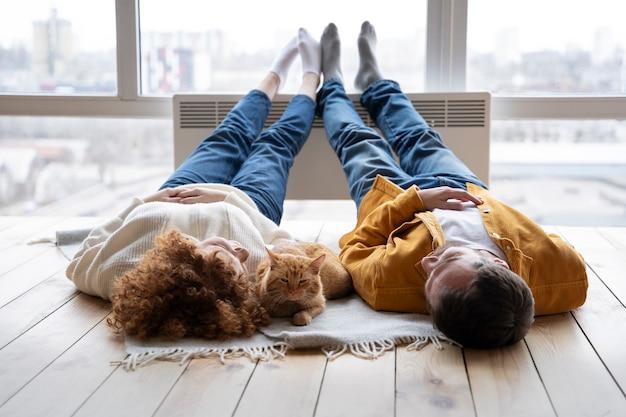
(424, 159)
(239, 154)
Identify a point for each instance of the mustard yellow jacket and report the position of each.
(394, 232)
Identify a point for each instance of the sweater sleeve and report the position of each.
(80, 268)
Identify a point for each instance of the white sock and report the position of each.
(310, 52)
(285, 58)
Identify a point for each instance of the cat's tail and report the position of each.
(338, 282)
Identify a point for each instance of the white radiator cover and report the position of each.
(462, 119)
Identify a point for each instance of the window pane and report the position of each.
(58, 46)
(562, 172)
(80, 167)
(557, 46)
(228, 47)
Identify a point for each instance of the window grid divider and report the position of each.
(446, 45)
(128, 57)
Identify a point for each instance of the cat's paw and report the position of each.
(301, 318)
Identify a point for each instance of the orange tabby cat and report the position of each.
(296, 279)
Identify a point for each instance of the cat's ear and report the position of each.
(273, 257)
(317, 263)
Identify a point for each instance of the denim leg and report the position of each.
(218, 157)
(263, 176)
(363, 153)
(420, 149)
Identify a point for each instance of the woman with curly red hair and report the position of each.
(178, 262)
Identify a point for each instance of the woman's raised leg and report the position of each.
(263, 176)
(219, 157)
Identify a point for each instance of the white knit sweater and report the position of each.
(116, 246)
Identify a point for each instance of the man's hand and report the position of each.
(438, 198)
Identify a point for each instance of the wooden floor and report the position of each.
(55, 353)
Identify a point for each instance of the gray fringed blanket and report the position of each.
(347, 325)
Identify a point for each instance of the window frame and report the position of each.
(446, 65)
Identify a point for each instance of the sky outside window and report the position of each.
(547, 47)
(58, 47)
(197, 46)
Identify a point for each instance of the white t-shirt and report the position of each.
(465, 227)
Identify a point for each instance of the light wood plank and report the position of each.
(17, 255)
(505, 383)
(26, 276)
(576, 380)
(8, 221)
(602, 257)
(287, 387)
(584, 239)
(610, 267)
(358, 387)
(64, 385)
(30, 353)
(603, 319)
(32, 264)
(132, 394)
(208, 387)
(615, 235)
(15, 251)
(26, 229)
(32, 307)
(354, 386)
(432, 383)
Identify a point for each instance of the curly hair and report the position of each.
(177, 291)
(497, 310)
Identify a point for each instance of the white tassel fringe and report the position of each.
(375, 349)
(183, 356)
(363, 350)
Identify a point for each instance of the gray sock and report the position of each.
(368, 66)
(331, 53)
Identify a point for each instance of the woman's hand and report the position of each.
(186, 195)
(438, 198)
(168, 195)
(200, 195)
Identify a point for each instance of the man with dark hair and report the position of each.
(429, 236)
(494, 308)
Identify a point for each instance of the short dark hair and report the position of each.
(496, 310)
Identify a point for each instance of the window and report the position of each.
(204, 47)
(80, 166)
(558, 171)
(562, 172)
(554, 47)
(58, 46)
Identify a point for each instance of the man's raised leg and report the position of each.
(363, 153)
(420, 149)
